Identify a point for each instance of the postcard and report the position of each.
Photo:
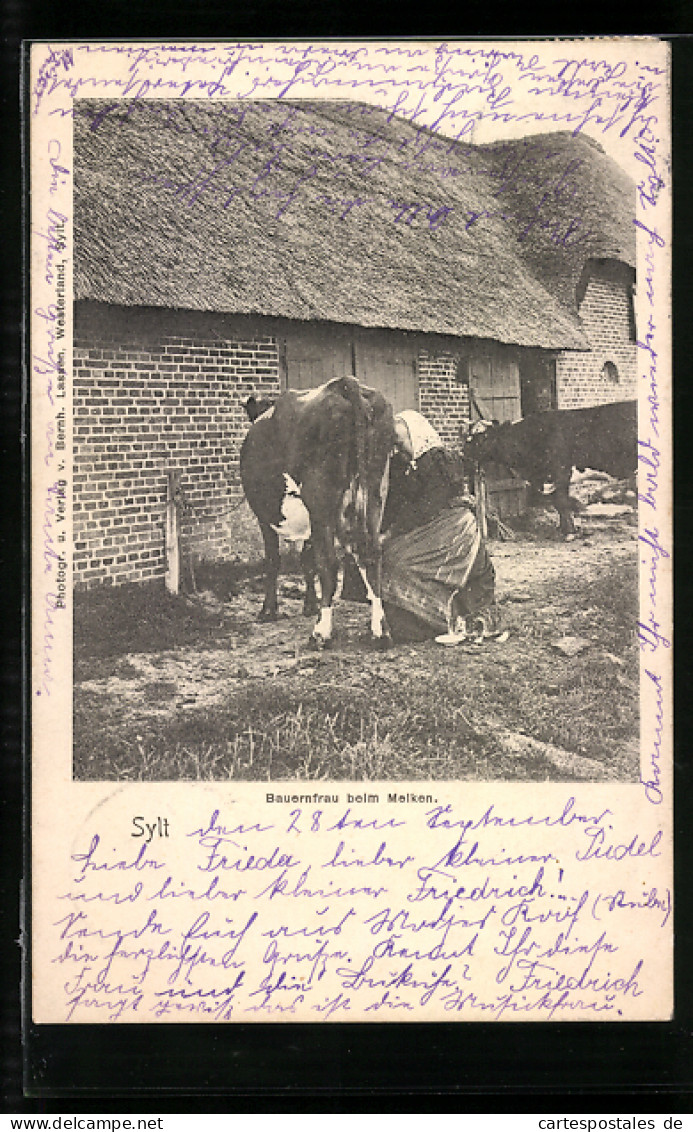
(350, 388)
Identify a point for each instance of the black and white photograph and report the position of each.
(331, 364)
(352, 531)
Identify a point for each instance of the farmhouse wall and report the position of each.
(609, 371)
(443, 399)
(155, 391)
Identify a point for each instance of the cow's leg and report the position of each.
(326, 563)
(371, 572)
(380, 632)
(311, 605)
(269, 605)
(561, 501)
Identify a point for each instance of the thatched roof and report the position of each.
(569, 203)
(300, 210)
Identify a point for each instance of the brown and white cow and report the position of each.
(544, 447)
(314, 469)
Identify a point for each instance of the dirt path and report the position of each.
(536, 584)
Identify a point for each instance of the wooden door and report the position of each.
(316, 354)
(386, 361)
(495, 383)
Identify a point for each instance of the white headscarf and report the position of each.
(422, 434)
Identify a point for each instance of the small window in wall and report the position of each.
(610, 373)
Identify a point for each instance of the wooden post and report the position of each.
(173, 532)
(480, 496)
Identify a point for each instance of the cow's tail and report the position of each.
(362, 415)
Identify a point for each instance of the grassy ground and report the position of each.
(194, 688)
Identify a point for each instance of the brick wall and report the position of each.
(443, 399)
(580, 379)
(158, 391)
(154, 391)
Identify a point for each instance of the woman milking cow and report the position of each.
(437, 579)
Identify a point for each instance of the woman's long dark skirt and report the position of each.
(436, 573)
